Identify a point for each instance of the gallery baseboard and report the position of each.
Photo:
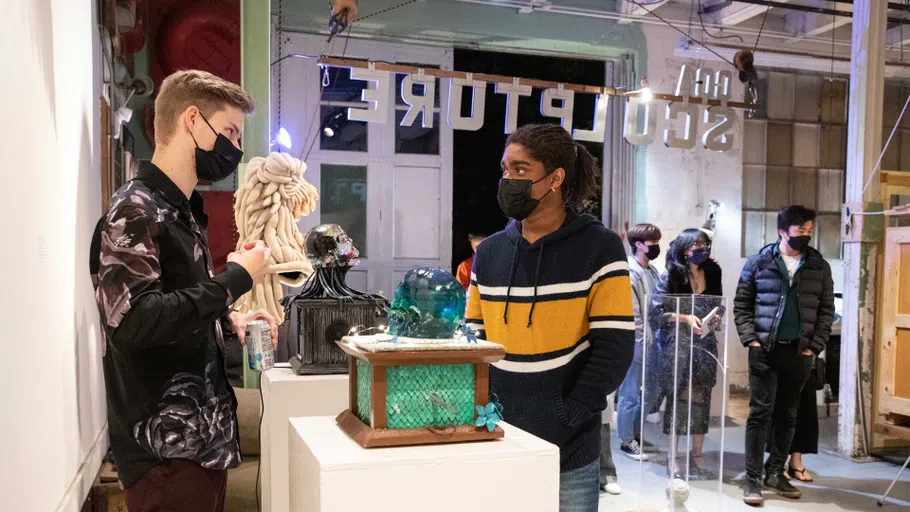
(81, 485)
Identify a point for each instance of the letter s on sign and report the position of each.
(722, 120)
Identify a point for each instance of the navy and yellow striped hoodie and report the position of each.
(562, 307)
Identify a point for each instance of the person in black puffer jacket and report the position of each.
(784, 308)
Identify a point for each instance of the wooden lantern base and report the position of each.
(370, 437)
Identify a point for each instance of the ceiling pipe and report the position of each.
(891, 5)
(649, 19)
(796, 7)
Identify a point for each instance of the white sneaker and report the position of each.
(633, 450)
(653, 418)
(611, 488)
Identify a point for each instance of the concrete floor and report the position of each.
(840, 484)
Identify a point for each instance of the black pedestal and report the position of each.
(314, 325)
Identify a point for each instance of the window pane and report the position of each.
(780, 96)
(834, 104)
(833, 143)
(416, 139)
(891, 160)
(416, 88)
(754, 142)
(780, 144)
(905, 149)
(777, 187)
(338, 134)
(770, 228)
(894, 101)
(753, 187)
(805, 145)
(830, 189)
(808, 98)
(803, 187)
(341, 87)
(753, 232)
(761, 89)
(828, 229)
(899, 221)
(343, 201)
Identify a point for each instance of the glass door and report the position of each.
(388, 186)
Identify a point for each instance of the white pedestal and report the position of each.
(331, 473)
(287, 395)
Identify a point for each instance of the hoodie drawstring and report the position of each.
(505, 314)
(536, 279)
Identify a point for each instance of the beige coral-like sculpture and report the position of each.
(267, 206)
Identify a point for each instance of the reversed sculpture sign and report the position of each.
(681, 121)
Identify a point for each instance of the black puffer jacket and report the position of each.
(760, 297)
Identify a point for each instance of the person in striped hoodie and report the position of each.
(553, 288)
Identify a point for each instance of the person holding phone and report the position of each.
(681, 299)
(784, 308)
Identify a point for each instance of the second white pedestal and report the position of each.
(329, 472)
(287, 395)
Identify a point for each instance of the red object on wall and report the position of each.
(131, 41)
(202, 36)
(219, 206)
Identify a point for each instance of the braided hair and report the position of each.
(552, 145)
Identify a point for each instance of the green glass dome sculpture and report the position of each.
(429, 304)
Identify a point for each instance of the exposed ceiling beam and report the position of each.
(812, 24)
(734, 13)
(630, 10)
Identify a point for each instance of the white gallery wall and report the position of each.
(679, 184)
(53, 432)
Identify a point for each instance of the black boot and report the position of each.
(778, 483)
(752, 493)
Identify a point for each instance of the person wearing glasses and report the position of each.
(675, 316)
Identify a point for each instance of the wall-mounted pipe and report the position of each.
(797, 7)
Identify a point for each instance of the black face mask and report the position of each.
(799, 243)
(219, 162)
(515, 198)
(699, 256)
(653, 252)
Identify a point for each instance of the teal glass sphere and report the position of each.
(429, 303)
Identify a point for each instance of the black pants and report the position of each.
(805, 438)
(776, 380)
(178, 485)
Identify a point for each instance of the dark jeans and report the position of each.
(178, 485)
(776, 380)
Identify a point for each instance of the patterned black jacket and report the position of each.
(161, 308)
(761, 296)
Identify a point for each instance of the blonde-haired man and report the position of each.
(171, 410)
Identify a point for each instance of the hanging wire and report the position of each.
(280, 45)
(761, 28)
(318, 108)
(829, 133)
(897, 123)
(667, 23)
(709, 34)
(394, 7)
(322, 86)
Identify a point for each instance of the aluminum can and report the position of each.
(260, 354)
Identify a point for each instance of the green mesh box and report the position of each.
(401, 397)
(420, 396)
